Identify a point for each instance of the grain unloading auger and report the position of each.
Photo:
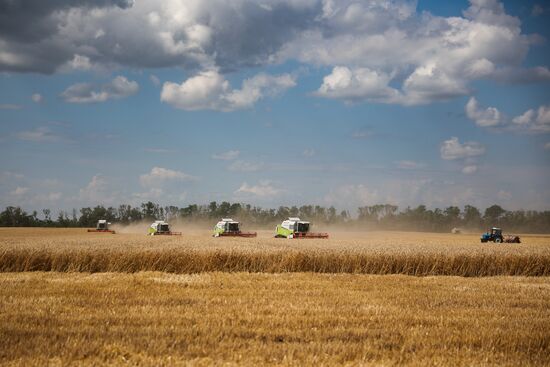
(161, 228)
(102, 227)
(296, 228)
(228, 227)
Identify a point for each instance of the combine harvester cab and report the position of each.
(102, 227)
(495, 235)
(161, 228)
(296, 228)
(228, 227)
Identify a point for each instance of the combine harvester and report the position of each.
(102, 227)
(296, 228)
(161, 228)
(495, 235)
(228, 227)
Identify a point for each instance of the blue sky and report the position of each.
(286, 102)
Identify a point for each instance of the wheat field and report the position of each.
(196, 251)
(281, 319)
(68, 297)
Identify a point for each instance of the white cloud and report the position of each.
(227, 156)
(154, 79)
(37, 97)
(452, 149)
(9, 106)
(410, 165)
(308, 153)
(264, 189)
(525, 118)
(547, 146)
(159, 175)
(95, 191)
(391, 48)
(19, 191)
(210, 91)
(469, 169)
(485, 117)
(244, 166)
(357, 84)
(40, 134)
(119, 87)
(535, 121)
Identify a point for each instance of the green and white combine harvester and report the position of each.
(296, 228)
(228, 227)
(102, 227)
(161, 228)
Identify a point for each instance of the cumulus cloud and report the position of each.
(40, 135)
(535, 121)
(308, 153)
(95, 191)
(227, 156)
(209, 90)
(36, 98)
(264, 189)
(484, 117)
(452, 149)
(244, 166)
(119, 87)
(379, 51)
(357, 85)
(159, 175)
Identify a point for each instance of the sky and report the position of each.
(275, 102)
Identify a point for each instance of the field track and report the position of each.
(419, 254)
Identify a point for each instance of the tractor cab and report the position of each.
(293, 227)
(102, 225)
(160, 227)
(227, 225)
(492, 235)
(230, 227)
(296, 225)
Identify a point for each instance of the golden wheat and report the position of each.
(282, 319)
(369, 253)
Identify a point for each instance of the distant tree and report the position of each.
(493, 214)
(471, 216)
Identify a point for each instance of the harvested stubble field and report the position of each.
(196, 251)
(284, 319)
(195, 300)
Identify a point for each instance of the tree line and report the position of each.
(381, 216)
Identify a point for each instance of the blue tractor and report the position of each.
(495, 235)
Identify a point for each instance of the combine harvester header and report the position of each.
(102, 227)
(296, 228)
(228, 227)
(161, 228)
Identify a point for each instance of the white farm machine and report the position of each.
(161, 228)
(296, 228)
(102, 227)
(228, 227)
